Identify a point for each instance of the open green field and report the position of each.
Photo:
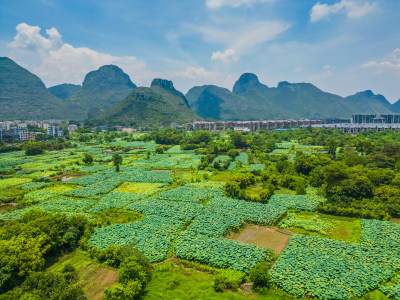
(333, 227)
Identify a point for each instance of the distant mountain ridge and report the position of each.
(252, 100)
(109, 94)
(24, 96)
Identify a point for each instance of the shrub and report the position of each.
(33, 148)
(260, 276)
(219, 283)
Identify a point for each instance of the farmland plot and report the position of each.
(116, 199)
(331, 269)
(188, 194)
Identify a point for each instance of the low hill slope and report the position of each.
(153, 106)
(65, 90)
(24, 96)
(368, 102)
(101, 89)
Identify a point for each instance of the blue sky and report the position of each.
(341, 46)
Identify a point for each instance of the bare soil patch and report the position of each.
(246, 287)
(396, 220)
(272, 238)
(159, 170)
(67, 175)
(97, 280)
(7, 206)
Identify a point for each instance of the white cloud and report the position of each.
(197, 73)
(326, 73)
(323, 75)
(391, 63)
(228, 55)
(56, 62)
(352, 8)
(243, 38)
(298, 69)
(212, 4)
(29, 37)
(194, 76)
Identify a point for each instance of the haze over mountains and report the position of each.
(108, 95)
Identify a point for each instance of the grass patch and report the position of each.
(114, 216)
(11, 194)
(284, 191)
(174, 281)
(396, 220)
(140, 187)
(344, 228)
(374, 295)
(255, 190)
(223, 176)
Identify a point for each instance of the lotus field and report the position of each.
(241, 159)
(220, 252)
(189, 194)
(185, 215)
(116, 199)
(392, 289)
(331, 269)
(257, 167)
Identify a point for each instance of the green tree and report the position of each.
(160, 149)
(238, 140)
(260, 276)
(332, 145)
(265, 194)
(365, 146)
(33, 148)
(88, 159)
(46, 286)
(130, 270)
(130, 291)
(117, 161)
(335, 172)
(233, 153)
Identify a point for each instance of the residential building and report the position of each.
(375, 119)
(55, 131)
(25, 135)
(244, 129)
(128, 129)
(253, 125)
(354, 128)
(72, 128)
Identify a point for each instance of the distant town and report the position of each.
(19, 130)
